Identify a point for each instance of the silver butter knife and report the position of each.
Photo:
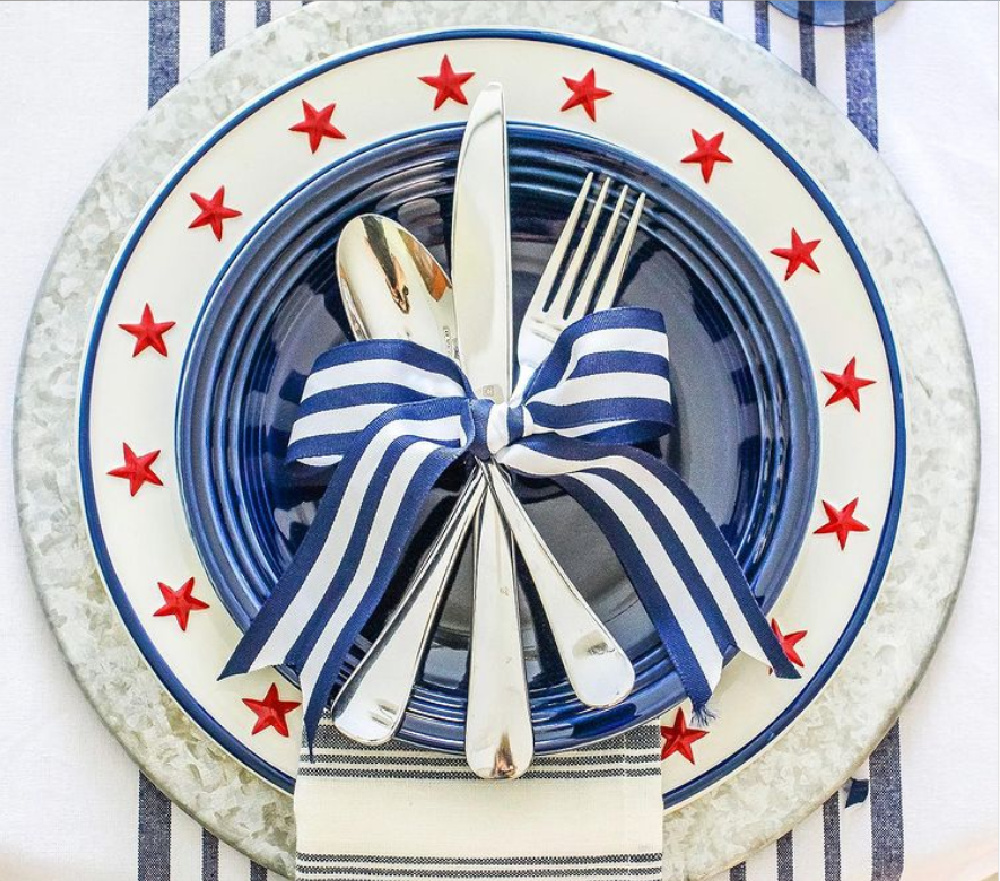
(498, 736)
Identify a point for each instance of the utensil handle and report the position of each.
(372, 702)
(600, 673)
(498, 737)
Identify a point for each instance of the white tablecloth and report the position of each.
(74, 77)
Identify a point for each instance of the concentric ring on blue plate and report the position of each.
(746, 439)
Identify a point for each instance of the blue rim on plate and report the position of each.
(876, 571)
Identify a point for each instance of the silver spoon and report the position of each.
(393, 287)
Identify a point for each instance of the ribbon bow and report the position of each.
(392, 415)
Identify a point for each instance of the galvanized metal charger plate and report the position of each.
(783, 783)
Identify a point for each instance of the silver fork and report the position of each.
(544, 320)
(370, 707)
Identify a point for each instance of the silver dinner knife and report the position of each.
(498, 737)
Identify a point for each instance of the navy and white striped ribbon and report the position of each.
(392, 415)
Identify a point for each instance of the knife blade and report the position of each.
(498, 735)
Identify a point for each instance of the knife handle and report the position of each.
(498, 737)
(371, 704)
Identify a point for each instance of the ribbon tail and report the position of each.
(725, 579)
(352, 550)
(679, 563)
(685, 635)
(323, 649)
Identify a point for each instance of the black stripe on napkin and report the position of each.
(354, 859)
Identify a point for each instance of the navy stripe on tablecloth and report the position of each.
(862, 92)
(262, 12)
(807, 44)
(784, 858)
(715, 9)
(154, 833)
(164, 47)
(762, 24)
(886, 794)
(209, 856)
(831, 838)
(216, 26)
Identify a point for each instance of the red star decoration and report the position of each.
(846, 385)
(586, 93)
(707, 153)
(179, 603)
(213, 212)
(799, 254)
(148, 333)
(677, 738)
(137, 469)
(316, 124)
(271, 711)
(448, 83)
(789, 641)
(841, 522)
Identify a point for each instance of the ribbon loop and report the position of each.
(393, 415)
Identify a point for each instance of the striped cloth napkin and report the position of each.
(374, 814)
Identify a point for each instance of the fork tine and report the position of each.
(561, 299)
(544, 286)
(609, 290)
(582, 304)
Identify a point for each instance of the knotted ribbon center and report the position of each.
(496, 426)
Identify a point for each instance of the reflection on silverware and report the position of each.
(392, 287)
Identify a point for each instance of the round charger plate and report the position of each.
(859, 700)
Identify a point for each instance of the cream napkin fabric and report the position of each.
(375, 814)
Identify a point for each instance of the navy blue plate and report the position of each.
(745, 439)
